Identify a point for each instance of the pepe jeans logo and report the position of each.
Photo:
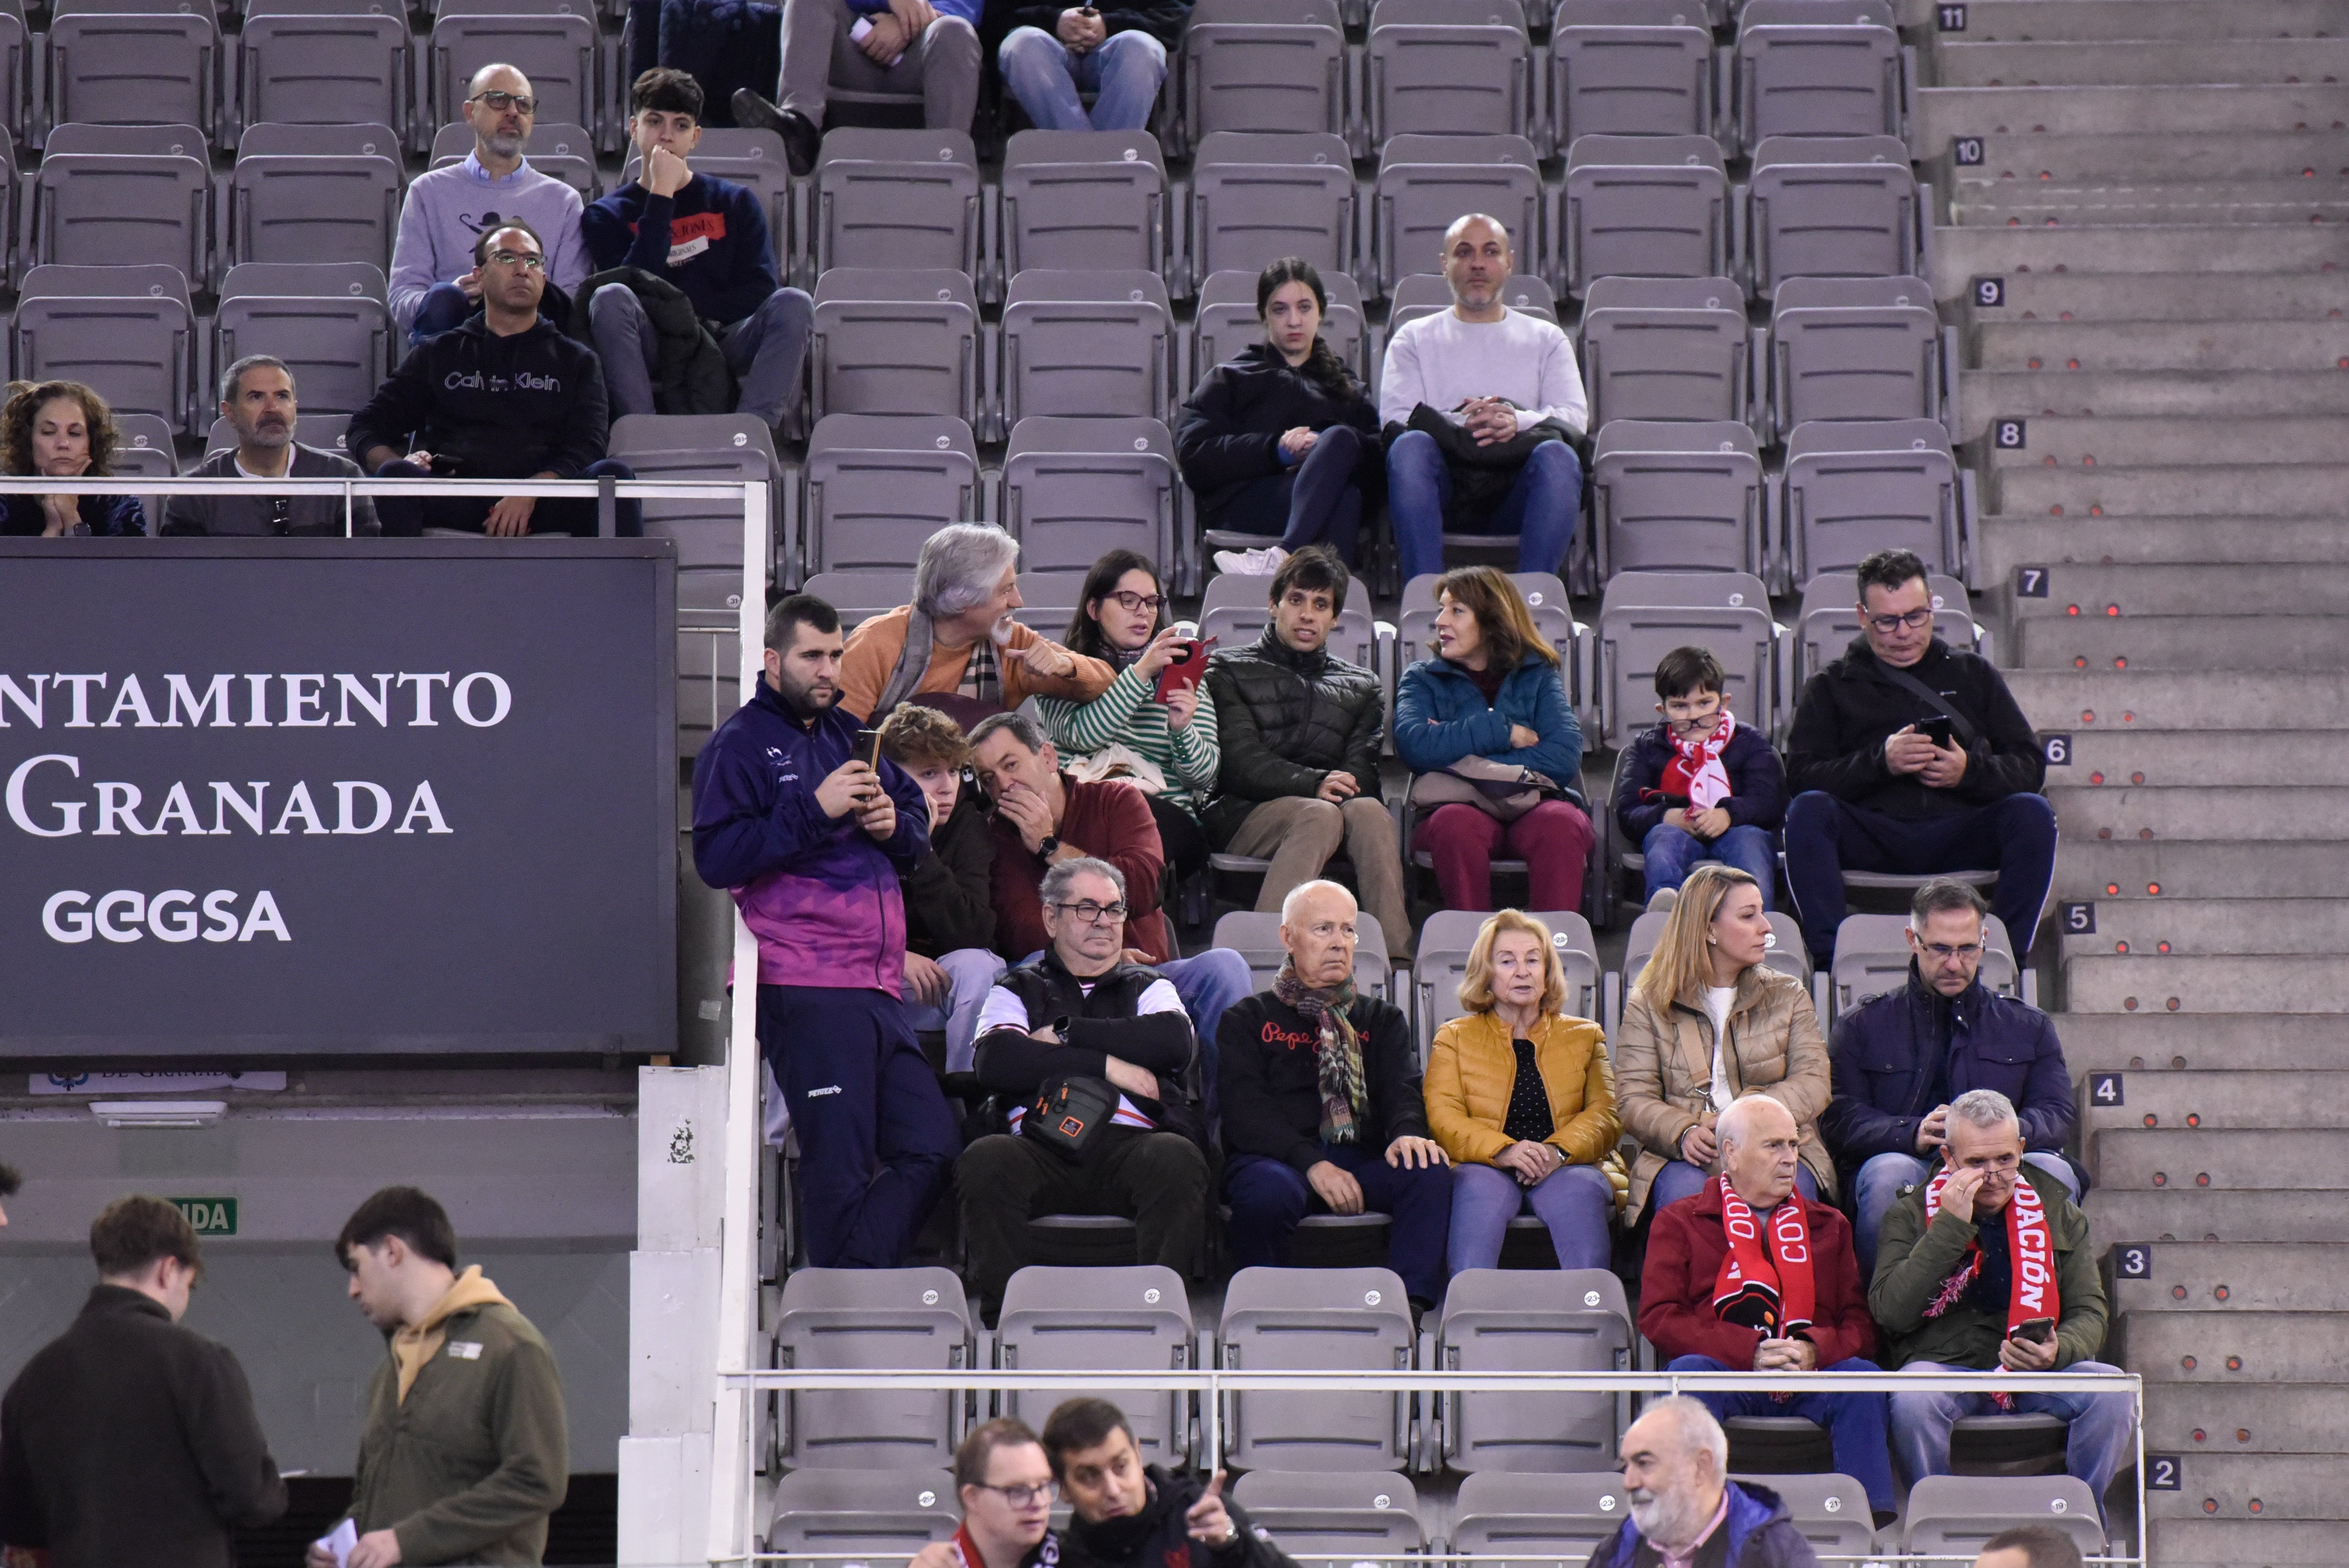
(1295, 1039)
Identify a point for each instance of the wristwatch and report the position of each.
(1048, 846)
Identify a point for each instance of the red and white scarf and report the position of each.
(1695, 770)
(2031, 1253)
(1768, 1287)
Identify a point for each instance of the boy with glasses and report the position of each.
(1700, 785)
(1911, 757)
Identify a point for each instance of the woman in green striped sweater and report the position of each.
(1122, 620)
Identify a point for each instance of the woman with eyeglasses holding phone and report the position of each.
(63, 430)
(1167, 720)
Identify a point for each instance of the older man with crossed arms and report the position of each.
(1749, 1274)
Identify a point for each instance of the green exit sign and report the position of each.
(209, 1215)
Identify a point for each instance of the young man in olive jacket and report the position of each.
(1127, 1514)
(463, 1453)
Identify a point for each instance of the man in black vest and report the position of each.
(1080, 1010)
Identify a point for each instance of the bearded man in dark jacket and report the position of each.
(1685, 1509)
(1127, 1514)
(1300, 731)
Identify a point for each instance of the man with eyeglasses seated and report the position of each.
(504, 395)
(1005, 1484)
(1911, 757)
(1083, 1021)
(436, 279)
(256, 397)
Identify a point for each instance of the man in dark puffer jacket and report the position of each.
(1300, 731)
(1127, 1515)
(1685, 1509)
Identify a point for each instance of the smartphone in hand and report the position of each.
(1188, 668)
(2037, 1329)
(1939, 730)
(867, 748)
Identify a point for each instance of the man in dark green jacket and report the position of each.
(1988, 1266)
(464, 1452)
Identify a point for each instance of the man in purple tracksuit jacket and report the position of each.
(811, 842)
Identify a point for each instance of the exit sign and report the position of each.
(209, 1215)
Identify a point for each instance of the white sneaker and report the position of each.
(1261, 562)
(1662, 904)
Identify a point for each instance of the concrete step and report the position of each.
(2197, 1347)
(2072, 701)
(2119, 592)
(2061, 442)
(2131, 63)
(1962, 255)
(1991, 21)
(2074, 160)
(2195, 345)
(2232, 869)
(2273, 1418)
(2203, 812)
(2215, 1101)
(1984, 396)
(2257, 201)
(2315, 757)
(2236, 1277)
(2165, 296)
(2003, 544)
(1945, 113)
(2247, 1043)
(2149, 1160)
(2203, 927)
(2255, 1488)
(2245, 1543)
(2295, 489)
(2242, 642)
(2240, 982)
(2200, 1214)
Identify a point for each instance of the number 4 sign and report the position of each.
(2105, 1090)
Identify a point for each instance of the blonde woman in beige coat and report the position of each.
(1706, 1024)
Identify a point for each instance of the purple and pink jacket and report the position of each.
(820, 895)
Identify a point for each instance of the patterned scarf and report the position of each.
(1338, 1053)
(2030, 1254)
(981, 680)
(1696, 773)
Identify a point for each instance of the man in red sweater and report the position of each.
(1749, 1275)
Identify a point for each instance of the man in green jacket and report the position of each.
(464, 1453)
(1987, 1265)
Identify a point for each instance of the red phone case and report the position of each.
(1187, 672)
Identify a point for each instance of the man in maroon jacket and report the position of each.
(1750, 1275)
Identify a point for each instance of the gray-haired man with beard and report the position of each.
(1685, 1511)
(256, 397)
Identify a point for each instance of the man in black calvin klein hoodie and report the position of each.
(503, 396)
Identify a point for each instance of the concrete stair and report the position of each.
(2011, 21)
(2241, 1042)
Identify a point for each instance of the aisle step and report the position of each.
(2210, 869)
(2139, 63)
(2165, 589)
(2295, 489)
(2075, 700)
(2074, 160)
(2250, 203)
(2092, 347)
(1986, 396)
(2228, 1349)
(1944, 113)
(2245, 1043)
(2236, 642)
(2236, 983)
(1993, 20)
(2003, 544)
(2231, 1277)
(2112, 443)
(1961, 255)
(2116, 1216)
(2200, 812)
(2271, 1418)
(2199, 927)
(2174, 1161)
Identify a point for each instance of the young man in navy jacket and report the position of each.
(707, 236)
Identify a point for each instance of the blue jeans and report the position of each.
(1877, 1188)
(971, 973)
(1855, 1422)
(2016, 837)
(767, 350)
(1123, 73)
(2103, 1435)
(1574, 1201)
(1681, 1180)
(1268, 1197)
(1542, 508)
(444, 309)
(1315, 503)
(1672, 853)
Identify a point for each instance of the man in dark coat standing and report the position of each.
(1685, 1511)
(130, 1441)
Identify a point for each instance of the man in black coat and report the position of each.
(1300, 731)
(1126, 1514)
(1910, 757)
(129, 1441)
(1321, 1105)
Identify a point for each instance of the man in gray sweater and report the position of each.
(256, 397)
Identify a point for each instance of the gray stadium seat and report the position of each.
(1531, 1320)
(860, 596)
(555, 48)
(335, 208)
(326, 320)
(1048, 602)
(351, 139)
(1882, 361)
(1264, 66)
(1952, 1515)
(1831, 1511)
(1448, 67)
(1135, 1319)
(17, 57)
(752, 158)
(1088, 342)
(1829, 620)
(1543, 595)
(131, 62)
(886, 1513)
(95, 208)
(1860, 486)
(1256, 937)
(1257, 198)
(307, 64)
(328, 432)
(898, 1318)
(1227, 322)
(1536, 1521)
(1645, 615)
(893, 198)
(1098, 199)
(1821, 207)
(1815, 13)
(890, 341)
(1419, 294)
(1370, 1517)
(564, 151)
(1278, 1320)
(1442, 962)
(1235, 610)
(144, 448)
(128, 331)
(1786, 951)
(1673, 496)
(1647, 78)
(1425, 182)
(1073, 488)
(128, 140)
(1642, 207)
(878, 486)
(709, 534)
(1652, 362)
(1871, 955)
(1817, 81)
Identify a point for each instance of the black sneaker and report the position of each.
(801, 139)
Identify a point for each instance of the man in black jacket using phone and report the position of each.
(1911, 757)
(1080, 1019)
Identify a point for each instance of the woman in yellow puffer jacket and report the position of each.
(1522, 1097)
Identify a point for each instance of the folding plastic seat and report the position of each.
(144, 447)
(1824, 207)
(1829, 620)
(1611, 74)
(1830, 1510)
(877, 487)
(308, 62)
(709, 534)
(1449, 68)
(335, 208)
(1425, 294)
(1073, 488)
(128, 331)
(1426, 183)
(131, 62)
(1855, 488)
(1536, 1521)
(1263, 66)
(1086, 343)
(1257, 938)
(885, 1514)
(1952, 1515)
(1784, 951)
(750, 158)
(1545, 595)
(97, 208)
(1871, 954)
(339, 139)
(1810, 80)
(328, 432)
(1236, 610)
(1642, 207)
(1279, 1320)
(1517, 1320)
(326, 320)
(1886, 359)
(1677, 497)
(1048, 602)
(1226, 323)
(1645, 615)
(551, 42)
(894, 341)
(860, 596)
(1257, 198)
(1442, 962)
(901, 1319)
(1098, 199)
(1817, 13)
(1369, 1518)
(567, 153)
(1133, 1319)
(895, 199)
(16, 52)
(1656, 362)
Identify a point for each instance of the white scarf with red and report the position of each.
(1696, 770)
(2030, 1254)
(1766, 1287)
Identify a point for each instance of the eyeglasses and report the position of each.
(499, 102)
(529, 261)
(1024, 1496)
(1136, 603)
(1093, 914)
(1944, 952)
(1886, 624)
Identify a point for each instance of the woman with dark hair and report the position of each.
(1281, 440)
(62, 430)
(1489, 709)
(1121, 620)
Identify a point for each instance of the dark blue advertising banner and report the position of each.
(325, 796)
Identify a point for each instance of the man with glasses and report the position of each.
(1901, 1057)
(436, 279)
(1006, 1487)
(1911, 757)
(504, 395)
(256, 398)
(1084, 1016)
